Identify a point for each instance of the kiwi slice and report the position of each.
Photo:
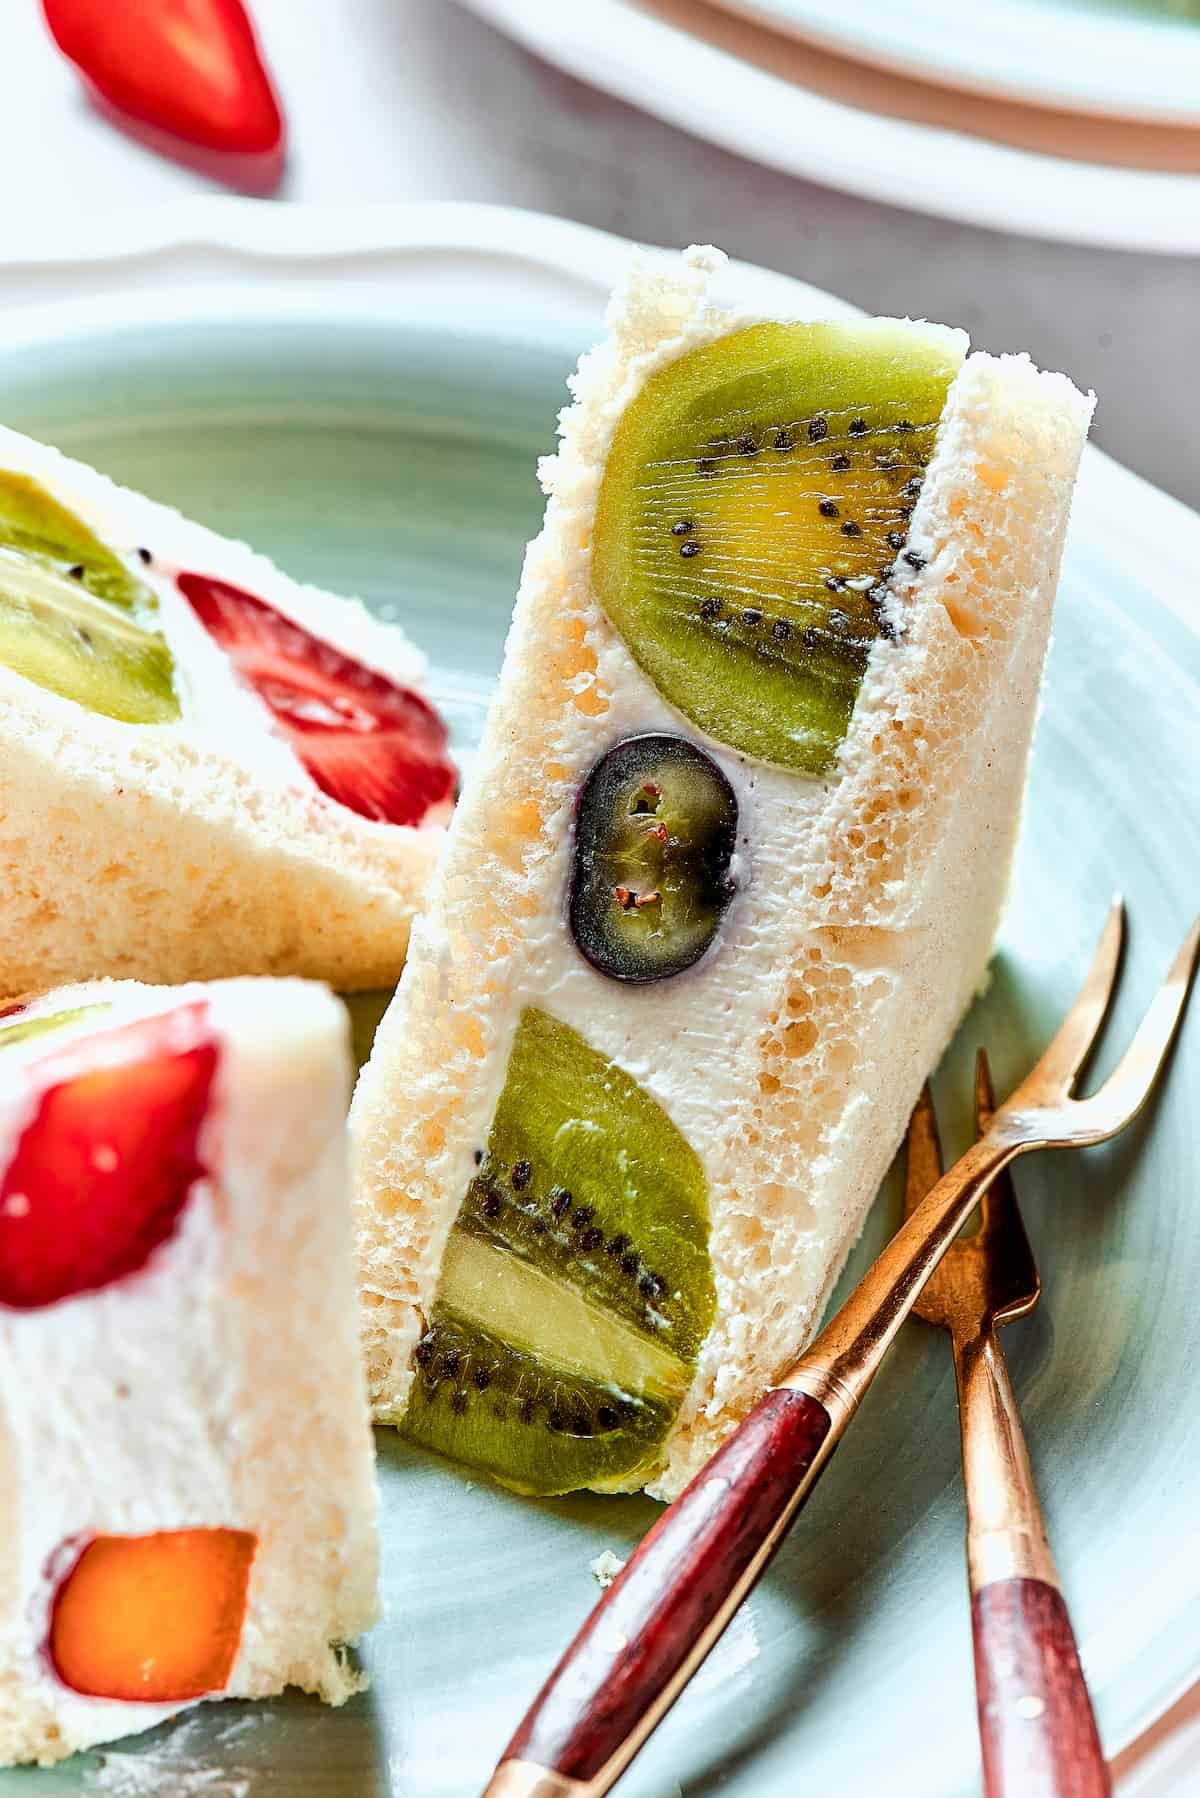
(655, 834)
(526, 1405)
(576, 1289)
(19, 1029)
(72, 617)
(755, 500)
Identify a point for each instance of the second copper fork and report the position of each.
(1036, 1727)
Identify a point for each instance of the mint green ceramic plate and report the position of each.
(366, 401)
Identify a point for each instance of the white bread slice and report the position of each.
(199, 849)
(220, 1385)
(791, 1061)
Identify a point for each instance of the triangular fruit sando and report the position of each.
(726, 879)
(206, 769)
(187, 1494)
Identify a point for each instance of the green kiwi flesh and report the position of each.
(72, 618)
(22, 1029)
(576, 1288)
(754, 502)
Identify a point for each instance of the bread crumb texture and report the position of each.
(861, 940)
(163, 860)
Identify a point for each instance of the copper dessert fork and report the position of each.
(1036, 1726)
(661, 1616)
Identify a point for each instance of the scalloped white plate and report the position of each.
(777, 101)
(365, 397)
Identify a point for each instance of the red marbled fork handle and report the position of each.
(1035, 1718)
(661, 1615)
(1036, 1727)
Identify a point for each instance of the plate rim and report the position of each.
(973, 181)
(821, 22)
(272, 252)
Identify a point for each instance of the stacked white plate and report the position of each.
(1072, 119)
(1122, 59)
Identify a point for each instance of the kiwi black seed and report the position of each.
(770, 539)
(73, 619)
(655, 833)
(583, 1363)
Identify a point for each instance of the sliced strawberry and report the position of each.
(103, 1169)
(183, 75)
(375, 747)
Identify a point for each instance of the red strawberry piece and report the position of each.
(184, 76)
(376, 747)
(103, 1169)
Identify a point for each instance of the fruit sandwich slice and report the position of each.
(726, 882)
(208, 769)
(187, 1494)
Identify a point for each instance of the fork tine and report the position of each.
(923, 1168)
(985, 1104)
(1072, 1044)
(1128, 1086)
(985, 1092)
(1001, 1225)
